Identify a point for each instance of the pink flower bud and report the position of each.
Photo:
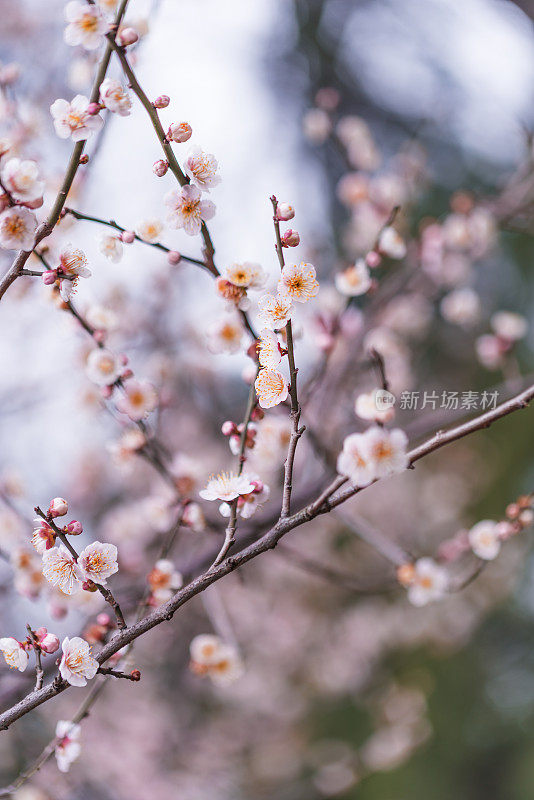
(123, 358)
(106, 392)
(179, 132)
(162, 101)
(228, 428)
(74, 528)
(41, 632)
(127, 237)
(93, 109)
(372, 259)
(284, 212)
(99, 336)
(160, 167)
(258, 487)
(127, 373)
(89, 586)
(128, 36)
(290, 238)
(103, 619)
(58, 507)
(49, 277)
(174, 257)
(50, 643)
(37, 203)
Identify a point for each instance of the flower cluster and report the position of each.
(216, 659)
(375, 454)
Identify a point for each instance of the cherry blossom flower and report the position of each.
(248, 275)
(204, 649)
(72, 265)
(21, 179)
(179, 132)
(17, 228)
(212, 657)
(68, 749)
(275, 310)
(248, 504)
(368, 406)
(73, 119)
(164, 580)
(484, 539)
(111, 248)
(43, 537)
(138, 400)
(299, 282)
(228, 667)
(149, 230)
(87, 25)
(98, 561)
(461, 307)
(271, 388)
(193, 517)
(14, 653)
(101, 318)
(284, 212)
(428, 582)
(391, 244)
(235, 295)
(354, 462)
(130, 442)
(102, 367)
(386, 450)
(48, 642)
(115, 97)
(226, 335)
(509, 326)
(187, 210)
(355, 280)
(58, 507)
(77, 665)
(227, 486)
(201, 168)
(269, 354)
(61, 570)
(187, 472)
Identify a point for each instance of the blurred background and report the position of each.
(346, 109)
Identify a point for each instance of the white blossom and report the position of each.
(102, 367)
(429, 582)
(201, 168)
(77, 665)
(111, 247)
(115, 97)
(17, 228)
(97, 562)
(61, 570)
(87, 25)
(187, 210)
(484, 539)
(355, 280)
(21, 179)
(74, 120)
(68, 748)
(14, 653)
(227, 486)
(138, 400)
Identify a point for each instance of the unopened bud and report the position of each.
(127, 237)
(103, 619)
(174, 257)
(49, 277)
(37, 203)
(162, 101)
(160, 167)
(179, 132)
(49, 644)
(93, 108)
(89, 586)
(135, 675)
(74, 528)
(284, 212)
(99, 336)
(58, 507)
(128, 36)
(228, 428)
(290, 238)
(372, 259)
(406, 574)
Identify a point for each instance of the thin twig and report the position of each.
(296, 431)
